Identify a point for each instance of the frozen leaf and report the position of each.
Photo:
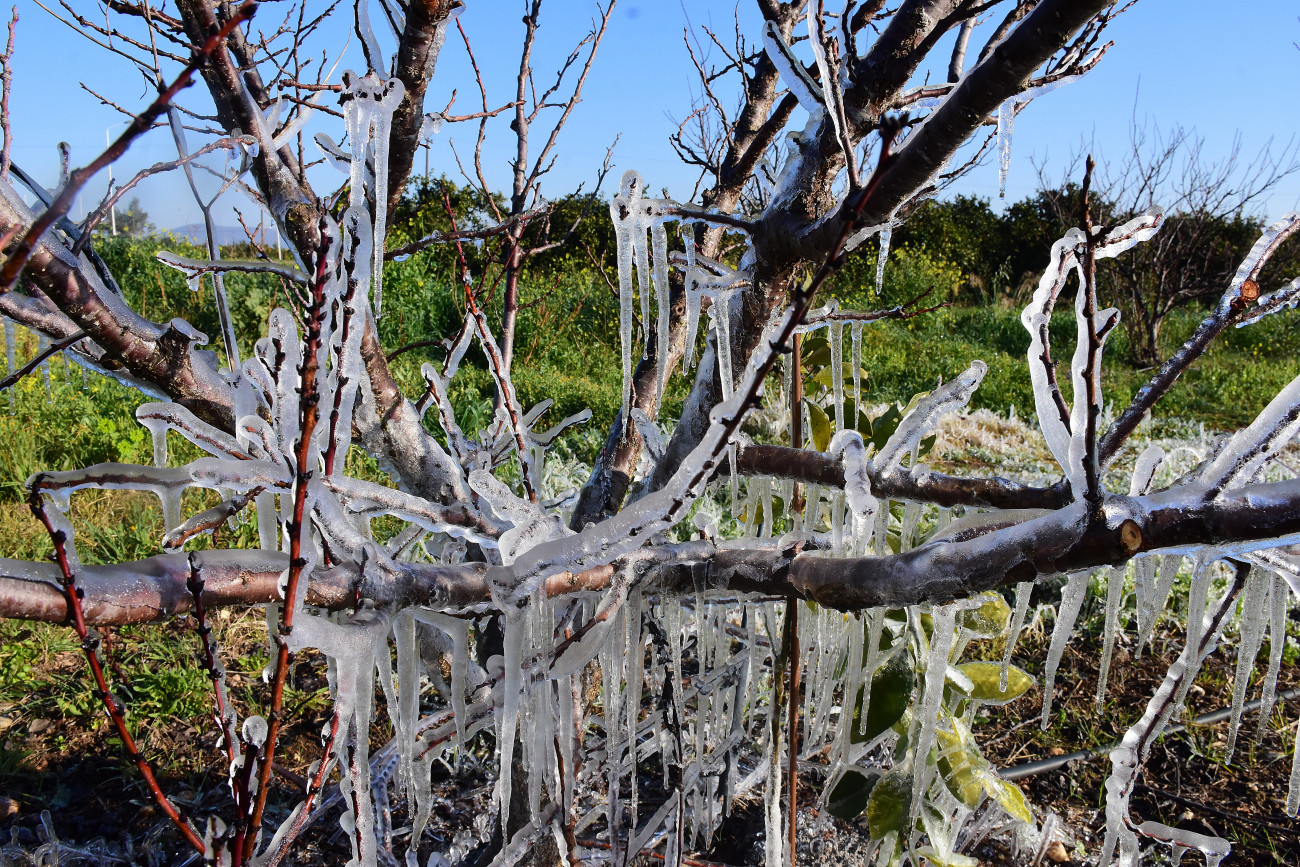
(889, 805)
(891, 692)
(851, 792)
(987, 679)
(990, 619)
(820, 424)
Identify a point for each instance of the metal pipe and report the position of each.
(1029, 769)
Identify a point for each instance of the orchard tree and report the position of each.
(1214, 214)
(711, 669)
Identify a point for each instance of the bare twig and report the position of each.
(309, 412)
(78, 177)
(90, 646)
(53, 349)
(6, 87)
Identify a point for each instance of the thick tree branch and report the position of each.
(1255, 517)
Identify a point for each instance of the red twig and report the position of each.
(309, 411)
(140, 124)
(6, 85)
(225, 715)
(89, 646)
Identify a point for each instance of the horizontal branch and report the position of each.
(901, 483)
(1251, 518)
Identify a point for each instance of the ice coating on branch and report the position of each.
(1072, 597)
(791, 70)
(1250, 449)
(950, 396)
(1054, 416)
(1006, 125)
(368, 106)
(1285, 298)
(829, 84)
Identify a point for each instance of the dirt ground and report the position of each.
(91, 794)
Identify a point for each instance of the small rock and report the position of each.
(1056, 853)
(38, 725)
(6, 722)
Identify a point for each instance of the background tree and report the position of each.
(1213, 209)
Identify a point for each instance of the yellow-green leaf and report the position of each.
(1008, 796)
(952, 859)
(990, 619)
(821, 426)
(961, 766)
(987, 677)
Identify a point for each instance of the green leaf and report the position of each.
(990, 619)
(884, 425)
(851, 792)
(815, 352)
(821, 426)
(891, 692)
(890, 802)
(961, 765)
(1008, 796)
(987, 677)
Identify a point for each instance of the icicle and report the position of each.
(886, 234)
(10, 365)
(1155, 600)
(1252, 634)
(1279, 602)
(1076, 590)
(774, 838)
(837, 371)
(42, 344)
(659, 245)
(508, 710)
(855, 331)
(936, 673)
(633, 661)
(622, 211)
(611, 669)
(1006, 123)
(1144, 588)
(1023, 592)
(1197, 606)
(1114, 595)
(268, 522)
(722, 328)
(1293, 788)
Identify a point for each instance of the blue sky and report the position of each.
(1225, 69)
